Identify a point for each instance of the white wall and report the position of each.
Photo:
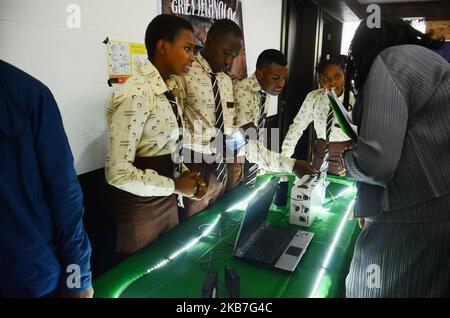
(348, 31)
(262, 30)
(72, 62)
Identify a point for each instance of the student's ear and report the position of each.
(161, 47)
(259, 75)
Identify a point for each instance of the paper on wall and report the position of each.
(124, 59)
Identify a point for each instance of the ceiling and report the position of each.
(354, 10)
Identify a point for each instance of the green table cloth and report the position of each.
(177, 263)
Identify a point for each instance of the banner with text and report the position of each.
(201, 14)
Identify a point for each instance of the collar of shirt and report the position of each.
(206, 66)
(254, 83)
(172, 85)
(203, 63)
(157, 83)
(323, 92)
(256, 88)
(320, 98)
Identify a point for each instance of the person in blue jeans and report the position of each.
(44, 249)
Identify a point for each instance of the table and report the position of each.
(176, 265)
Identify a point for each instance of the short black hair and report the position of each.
(340, 61)
(222, 27)
(271, 56)
(165, 27)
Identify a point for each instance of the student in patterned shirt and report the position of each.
(268, 79)
(315, 109)
(208, 109)
(206, 87)
(145, 137)
(252, 98)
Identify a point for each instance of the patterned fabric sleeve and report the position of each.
(127, 123)
(301, 122)
(244, 104)
(268, 160)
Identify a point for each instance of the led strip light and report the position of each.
(193, 242)
(330, 252)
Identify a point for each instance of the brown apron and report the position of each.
(214, 189)
(140, 220)
(335, 150)
(235, 173)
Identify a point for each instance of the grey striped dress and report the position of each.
(402, 163)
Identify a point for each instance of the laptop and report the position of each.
(265, 244)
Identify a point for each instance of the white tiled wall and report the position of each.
(72, 62)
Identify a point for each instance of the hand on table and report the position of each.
(191, 185)
(361, 223)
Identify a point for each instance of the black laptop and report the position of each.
(265, 244)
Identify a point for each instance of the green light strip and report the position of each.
(247, 200)
(330, 252)
(171, 257)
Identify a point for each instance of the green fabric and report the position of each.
(183, 276)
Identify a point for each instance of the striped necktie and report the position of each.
(221, 171)
(262, 116)
(328, 127)
(179, 144)
(252, 169)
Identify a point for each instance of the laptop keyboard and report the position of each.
(269, 245)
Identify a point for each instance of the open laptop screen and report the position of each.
(256, 212)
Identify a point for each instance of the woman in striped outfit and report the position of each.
(401, 162)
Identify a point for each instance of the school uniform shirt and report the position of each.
(141, 124)
(199, 105)
(247, 99)
(315, 109)
(247, 110)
